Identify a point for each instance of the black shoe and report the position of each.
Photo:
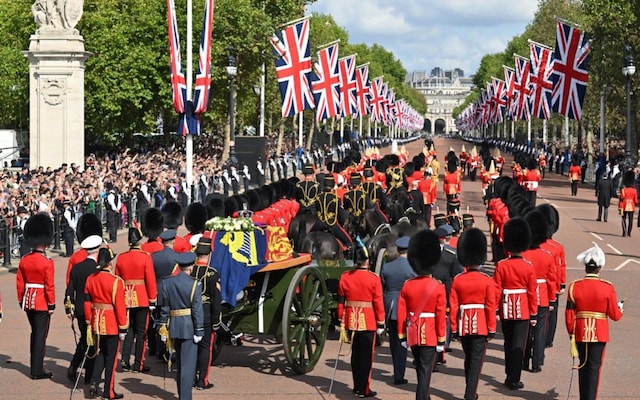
(72, 374)
(363, 395)
(116, 396)
(598, 219)
(535, 370)
(125, 366)
(400, 381)
(43, 375)
(525, 366)
(142, 370)
(203, 387)
(514, 385)
(93, 390)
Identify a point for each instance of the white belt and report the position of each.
(541, 280)
(427, 315)
(514, 291)
(34, 286)
(470, 306)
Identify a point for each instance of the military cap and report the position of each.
(186, 259)
(168, 234)
(105, 256)
(203, 246)
(91, 242)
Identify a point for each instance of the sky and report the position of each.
(424, 34)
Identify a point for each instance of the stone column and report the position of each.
(56, 98)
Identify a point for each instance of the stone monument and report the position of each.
(56, 85)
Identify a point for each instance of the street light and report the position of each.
(232, 70)
(628, 70)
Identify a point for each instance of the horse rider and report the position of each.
(377, 198)
(329, 213)
(307, 190)
(355, 200)
(395, 176)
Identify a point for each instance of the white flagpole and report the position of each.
(262, 84)
(544, 132)
(360, 130)
(529, 131)
(300, 122)
(566, 132)
(189, 138)
(341, 129)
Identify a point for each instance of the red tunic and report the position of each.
(516, 288)
(104, 304)
(557, 251)
(429, 191)
(545, 274)
(628, 199)
(181, 243)
(451, 184)
(431, 320)
(590, 301)
(574, 173)
(473, 303)
(531, 179)
(35, 282)
(135, 267)
(152, 246)
(360, 305)
(77, 257)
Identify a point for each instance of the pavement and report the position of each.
(258, 369)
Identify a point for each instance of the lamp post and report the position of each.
(232, 70)
(628, 70)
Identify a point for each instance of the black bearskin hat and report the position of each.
(517, 235)
(172, 214)
(254, 200)
(134, 236)
(38, 231)
(214, 206)
(424, 251)
(393, 160)
(409, 168)
(291, 194)
(628, 178)
(552, 216)
(270, 194)
(418, 161)
(231, 205)
(472, 247)
(89, 224)
(532, 163)
(152, 223)
(539, 228)
(195, 217)
(452, 165)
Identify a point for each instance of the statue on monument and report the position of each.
(56, 15)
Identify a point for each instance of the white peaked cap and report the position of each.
(593, 254)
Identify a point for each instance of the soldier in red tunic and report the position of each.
(194, 220)
(531, 179)
(135, 267)
(574, 177)
(36, 289)
(516, 295)
(452, 187)
(361, 312)
(106, 314)
(473, 307)
(422, 309)
(151, 226)
(590, 302)
(628, 202)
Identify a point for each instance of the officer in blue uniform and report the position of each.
(181, 310)
(164, 264)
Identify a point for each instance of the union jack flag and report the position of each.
(178, 82)
(362, 90)
(571, 71)
(348, 86)
(326, 83)
(376, 99)
(390, 106)
(498, 99)
(486, 104)
(523, 89)
(510, 87)
(540, 78)
(293, 67)
(203, 75)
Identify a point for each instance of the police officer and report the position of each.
(182, 320)
(246, 178)
(235, 180)
(393, 276)
(135, 267)
(36, 289)
(210, 282)
(74, 303)
(329, 211)
(68, 223)
(307, 191)
(106, 315)
(260, 176)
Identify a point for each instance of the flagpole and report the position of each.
(300, 122)
(295, 21)
(529, 132)
(327, 44)
(566, 131)
(262, 85)
(360, 129)
(544, 132)
(341, 129)
(189, 138)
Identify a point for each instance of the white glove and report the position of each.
(151, 308)
(380, 331)
(403, 344)
(621, 306)
(163, 338)
(122, 335)
(197, 339)
(440, 348)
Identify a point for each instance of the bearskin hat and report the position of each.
(38, 231)
(172, 214)
(277, 187)
(254, 200)
(231, 205)
(539, 228)
(409, 168)
(418, 161)
(517, 235)
(532, 163)
(452, 165)
(263, 201)
(424, 251)
(472, 247)
(195, 217)
(152, 222)
(134, 236)
(215, 206)
(270, 194)
(393, 160)
(552, 217)
(451, 155)
(292, 187)
(628, 178)
(88, 224)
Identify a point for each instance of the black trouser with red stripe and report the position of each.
(81, 351)
(515, 340)
(362, 347)
(474, 347)
(424, 359)
(39, 321)
(205, 351)
(537, 341)
(552, 323)
(138, 322)
(591, 356)
(108, 348)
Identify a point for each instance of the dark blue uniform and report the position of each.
(164, 264)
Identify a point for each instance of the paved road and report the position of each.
(259, 369)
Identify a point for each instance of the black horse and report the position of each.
(397, 203)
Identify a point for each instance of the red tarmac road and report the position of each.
(258, 369)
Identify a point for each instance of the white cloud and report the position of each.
(425, 34)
